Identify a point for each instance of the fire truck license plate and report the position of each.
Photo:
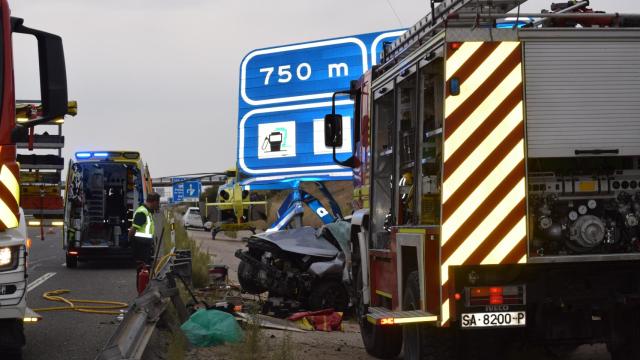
(494, 319)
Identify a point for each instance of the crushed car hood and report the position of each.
(304, 240)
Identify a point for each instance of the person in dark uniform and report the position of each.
(141, 234)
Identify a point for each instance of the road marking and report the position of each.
(64, 264)
(39, 281)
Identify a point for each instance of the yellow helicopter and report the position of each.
(233, 203)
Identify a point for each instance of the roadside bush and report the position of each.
(199, 259)
(256, 344)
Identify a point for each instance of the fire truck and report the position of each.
(14, 245)
(497, 182)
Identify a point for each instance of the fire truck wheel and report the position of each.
(11, 354)
(380, 341)
(625, 344)
(424, 341)
(72, 262)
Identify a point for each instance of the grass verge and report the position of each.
(256, 345)
(199, 259)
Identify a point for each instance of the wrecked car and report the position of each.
(299, 263)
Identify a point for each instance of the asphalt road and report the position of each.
(66, 335)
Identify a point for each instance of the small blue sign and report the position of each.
(192, 190)
(285, 92)
(178, 189)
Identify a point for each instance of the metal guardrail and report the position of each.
(132, 335)
(205, 180)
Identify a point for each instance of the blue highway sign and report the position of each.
(285, 92)
(192, 190)
(178, 189)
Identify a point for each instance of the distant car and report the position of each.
(192, 218)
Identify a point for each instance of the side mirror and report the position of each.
(53, 73)
(333, 130)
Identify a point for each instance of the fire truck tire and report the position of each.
(72, 262)
(11, 354)
(423, 341)
(627, 344)
(381, 342)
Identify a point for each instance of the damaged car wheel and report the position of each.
(329, 294)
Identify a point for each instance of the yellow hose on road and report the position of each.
(101, 307)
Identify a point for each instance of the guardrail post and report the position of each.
(172, 221)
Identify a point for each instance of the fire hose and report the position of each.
(80, 305)
(91, 306)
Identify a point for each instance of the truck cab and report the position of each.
(103, 190)
(14, 244)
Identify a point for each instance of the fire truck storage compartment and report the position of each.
(584, 205)
(101, 201)
(583, 94)
(583, 126)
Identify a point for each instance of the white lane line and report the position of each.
(39, 281)
(64, 264)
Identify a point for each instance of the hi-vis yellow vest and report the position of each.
(147, 230)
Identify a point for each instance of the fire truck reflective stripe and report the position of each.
(481, 152)
(479, 175)
(384, 294)
(444, 319)
(461, 129)
(508, 223)
(8, 179)
(7, 217)
(461, 56)
(482, 192)
(479, 235)
(506, 245)
(464, 141)
(9, 198)
(463, 72)
(478, 96)
(478, 214)
(412, 231)
(519, 253)
(481, 75)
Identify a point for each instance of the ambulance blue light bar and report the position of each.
(100, 155)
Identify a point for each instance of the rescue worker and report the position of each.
(141, 234)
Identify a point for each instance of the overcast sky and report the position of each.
(161, 76)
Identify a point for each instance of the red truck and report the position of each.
(14, 245)
(497, 183)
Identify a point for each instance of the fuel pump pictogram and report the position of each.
(274, 141)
